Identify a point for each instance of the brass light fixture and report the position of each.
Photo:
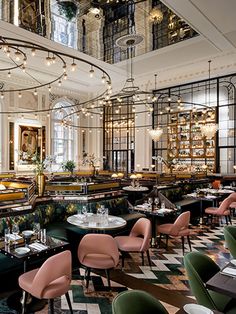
(156, 15)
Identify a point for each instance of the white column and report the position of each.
(143, 143)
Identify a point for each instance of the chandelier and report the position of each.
(156, 134)
(209, 130)
(19, 60)
(155, 15)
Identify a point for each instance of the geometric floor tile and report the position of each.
(167, 271)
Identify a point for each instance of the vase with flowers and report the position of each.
(40, 166)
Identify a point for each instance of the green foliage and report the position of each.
(68, 9)
(69, 165)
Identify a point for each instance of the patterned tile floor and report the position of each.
(167, 271)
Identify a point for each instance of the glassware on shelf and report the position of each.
(150, 201)
(163, 206)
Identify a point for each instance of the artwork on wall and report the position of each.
(31, 141)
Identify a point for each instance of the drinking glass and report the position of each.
(7, 233)
(163, 206)
(15, 231)
(150, 201)
(36, 229)
(43, 236)
(156, 201)
(84, 210)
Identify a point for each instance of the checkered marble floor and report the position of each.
(167, 271)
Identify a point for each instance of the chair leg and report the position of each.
(24, 298)
(87, 276)
(167, 237)
(108, 278)
(149, 259)
(230, 219)
(159, 240)
(51, 306)
(182, 238)
(226, 220)
(142, 255)
(122, 260)
(69, 302)
(189, 243)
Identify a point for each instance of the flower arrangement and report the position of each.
(169, 162)
(91, 161)
(42, 164)
(69, 165)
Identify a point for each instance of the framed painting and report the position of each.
(31, 141)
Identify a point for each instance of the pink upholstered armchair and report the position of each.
(50, 281)
(98, 251)
(222, 211)
(137, 241)
(178, 229)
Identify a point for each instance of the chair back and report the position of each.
(142, 228)
(180, 223)
(224, 206)
(136, 302)
(230, 239)
(200, 268)
(55, 267)
(98, 244)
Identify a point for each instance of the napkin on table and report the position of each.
(230, 271)
(38, 246)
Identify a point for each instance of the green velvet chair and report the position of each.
(200, 268)
(136, 302)
(230, 239)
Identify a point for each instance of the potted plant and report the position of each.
(69, 165)
(68, 8)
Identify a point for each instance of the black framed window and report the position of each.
(181, 126)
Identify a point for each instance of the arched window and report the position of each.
(62, 138)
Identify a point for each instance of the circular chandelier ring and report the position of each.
(16, 65)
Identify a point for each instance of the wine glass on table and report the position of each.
(15, 232)
(84, 211)
(156, 201)
(150, 202)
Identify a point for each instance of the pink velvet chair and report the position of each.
(178, 229)
(222, 211)
(137, 241)
(98, 251)
(50, 281)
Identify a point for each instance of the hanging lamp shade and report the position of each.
(209, 130)
(156, 134)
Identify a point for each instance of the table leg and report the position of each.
(153, 243)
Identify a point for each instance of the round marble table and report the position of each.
(135, 189)
(96, 222)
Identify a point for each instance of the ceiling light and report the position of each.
(209, 130)
(91, 72)
(73, 66)
(155, 15)
(94, 10)
(156, 134)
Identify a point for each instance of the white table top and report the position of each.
(93, 221)
(217, 191)
(135, 189)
